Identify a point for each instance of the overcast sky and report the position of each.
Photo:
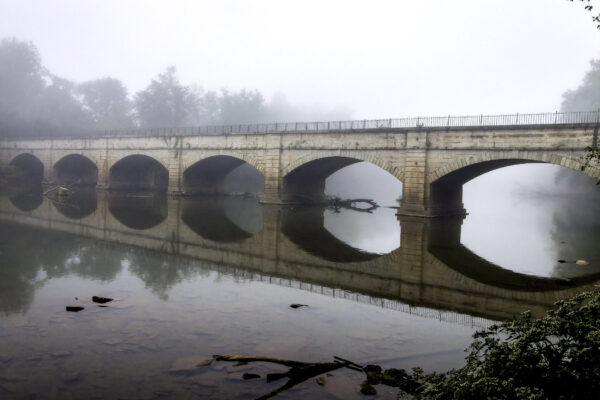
(379, 58)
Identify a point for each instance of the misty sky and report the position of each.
(378, 58)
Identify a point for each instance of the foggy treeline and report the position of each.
(36, 102)
(585, 97)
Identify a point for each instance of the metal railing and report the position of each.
(468, 121)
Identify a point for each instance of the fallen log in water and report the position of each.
(298, 372)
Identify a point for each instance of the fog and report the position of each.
(69, 66)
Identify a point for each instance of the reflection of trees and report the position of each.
(575, 235)
(31, 256)
(160, 272)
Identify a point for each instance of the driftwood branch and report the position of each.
(298, 372)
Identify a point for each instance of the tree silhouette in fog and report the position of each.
(108, 104)
(166, 102)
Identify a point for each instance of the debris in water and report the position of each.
(298, 305)
(249, 375)
(582, 262)
(321, 380)
(74, 308)
(101, 300)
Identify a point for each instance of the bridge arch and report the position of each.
(572, 161)
(304, 179)
(75, 169)
(446, 182)
(210, 176)
(374, 158)
(138, 172)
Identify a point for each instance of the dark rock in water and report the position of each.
(366, 388)
(249, 375)
(396, 373)
(101, 300)
(374, 375)
(372, 368)
(298, 305)
(74, 308)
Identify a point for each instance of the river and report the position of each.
(191, 278)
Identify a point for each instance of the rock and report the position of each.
(389, 380)
(396, 373)
(374, 377)
(582, 262)
(62, 354)
(101, 300)
(321, 380)
(373, 374)
(373, 368)
(250, 375)
(74, 308)
(366, 388)
(298, 305)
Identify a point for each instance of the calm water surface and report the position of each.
(194, 278)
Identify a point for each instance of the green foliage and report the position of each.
(592, 158)
(555, 357)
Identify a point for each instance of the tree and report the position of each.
(166, 102)
(21, 85)
(243, 107)
(554, 357)
(59, 111)
(210, 109)
(587, 95)
(107, 103)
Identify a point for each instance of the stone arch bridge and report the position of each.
(432, 157)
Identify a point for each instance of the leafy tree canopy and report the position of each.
(555, 357)
(107, 103)
(166, 102)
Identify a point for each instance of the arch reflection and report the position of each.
(79, 204)
(305, 227)
(223, 218)
(138, 211)
(444, 244)
(28, 200)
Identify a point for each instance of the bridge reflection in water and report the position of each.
(431, 273)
